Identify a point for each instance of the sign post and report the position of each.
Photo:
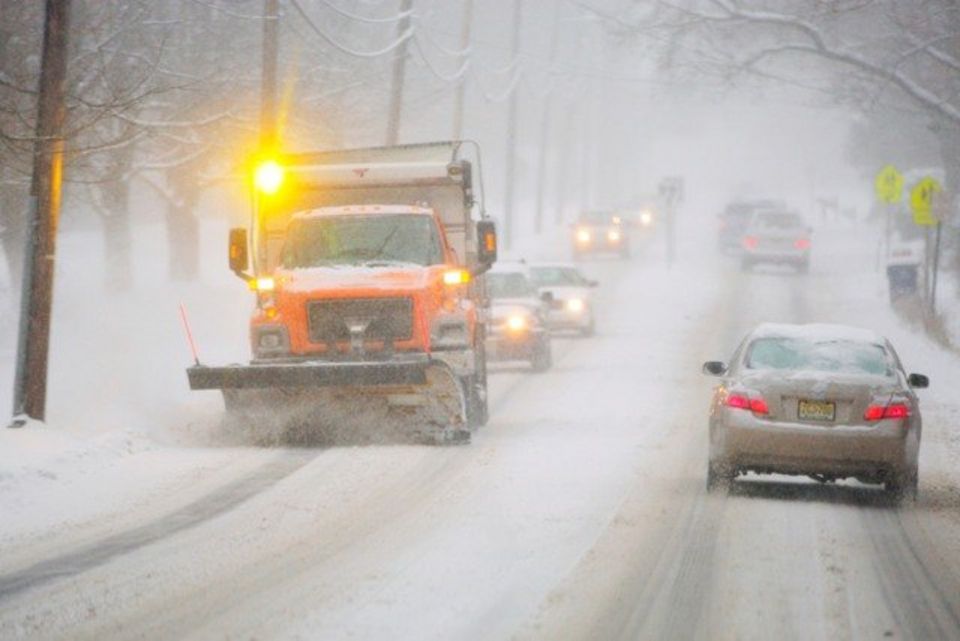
(671, 194)
(889, 188)
(925, 196)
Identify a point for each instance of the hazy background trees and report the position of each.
(164, 96)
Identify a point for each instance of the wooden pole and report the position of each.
(30, 387)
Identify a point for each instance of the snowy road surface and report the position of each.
(579, 512)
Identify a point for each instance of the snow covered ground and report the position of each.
(578, 512)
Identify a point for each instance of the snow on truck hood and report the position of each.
(391, 278)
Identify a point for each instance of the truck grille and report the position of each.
(386, 319)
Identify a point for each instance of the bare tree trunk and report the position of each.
(183, 227)
(13, 238)
(183, 239)
(117, 237)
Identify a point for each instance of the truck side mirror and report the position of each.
(487, 242)
(238, 251)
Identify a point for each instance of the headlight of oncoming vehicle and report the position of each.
(575, 305)
(646, 218)
(583, 235)
(518, 322)
(613, 235)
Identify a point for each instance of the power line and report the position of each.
(352, 16)
(404, 37)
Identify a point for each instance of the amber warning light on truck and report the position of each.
(268, 177)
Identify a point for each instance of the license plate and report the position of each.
(817, 410)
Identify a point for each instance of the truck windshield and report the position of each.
(370, 240)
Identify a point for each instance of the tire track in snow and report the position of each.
(93, 555)
(649, 574)
(923, 607)
(919, 593)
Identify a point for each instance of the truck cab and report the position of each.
(368, 270)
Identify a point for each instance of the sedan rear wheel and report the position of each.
(719, 477)
(902, 487)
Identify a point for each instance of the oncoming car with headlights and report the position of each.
(517, 331)
(571, 293)
(825, 401)
(600, 232)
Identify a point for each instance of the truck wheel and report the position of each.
(542, 358)
(477, 408)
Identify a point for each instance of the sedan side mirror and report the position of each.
(715, 368)
(918, 381)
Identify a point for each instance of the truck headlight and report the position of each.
(518, 322)
(270, 340)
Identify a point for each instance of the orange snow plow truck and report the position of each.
(367, 266)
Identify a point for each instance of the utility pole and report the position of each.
(399, 73)
(269, 136)
(30, 387)
(566, 154)
(545, 127)
(511, 160)
(458, 104)
(268, 71)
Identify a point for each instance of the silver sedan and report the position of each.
(825, 401)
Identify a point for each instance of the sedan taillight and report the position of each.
(881, 412)
(752, 402)
(751, 242)
(802, 243)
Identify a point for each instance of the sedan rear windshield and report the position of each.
(355, 239)
(773, 220)
(800, 354)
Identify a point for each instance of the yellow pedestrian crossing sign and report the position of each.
(889, 185)
(922, 198)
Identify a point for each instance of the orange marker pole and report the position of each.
(186, 327)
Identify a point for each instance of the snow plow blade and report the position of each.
(341, 402)
(308, 374)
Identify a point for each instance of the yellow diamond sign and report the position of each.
(889, 185)
(922, 198)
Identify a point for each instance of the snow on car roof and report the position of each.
(817, 332)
